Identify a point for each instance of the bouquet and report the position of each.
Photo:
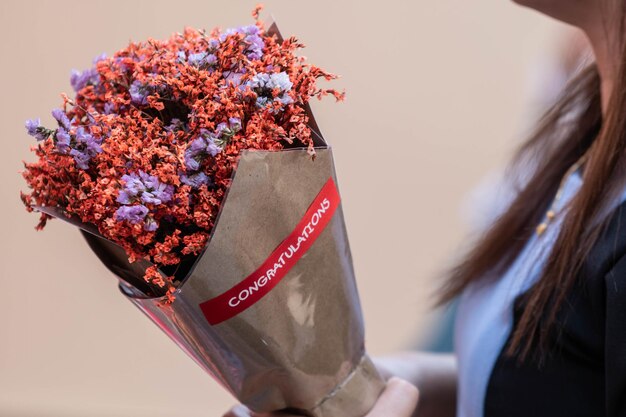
(197, 174)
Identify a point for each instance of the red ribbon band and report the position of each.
(254, 287)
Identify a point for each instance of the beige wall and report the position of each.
(436, 93)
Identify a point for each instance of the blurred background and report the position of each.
(438, 95)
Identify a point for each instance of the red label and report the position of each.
(280, 261)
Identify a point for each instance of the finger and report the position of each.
(399, 399)
(383, 367)
(242, 411)
(238, 411)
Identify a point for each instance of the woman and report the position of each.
(542, 316)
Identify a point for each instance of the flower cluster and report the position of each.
(273, 87)
(146, 149)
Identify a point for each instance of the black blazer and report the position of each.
(585, 373)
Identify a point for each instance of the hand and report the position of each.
(434, 375)
(399, 399)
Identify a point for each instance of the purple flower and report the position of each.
(133, 214)
(124, 197)
(32, 125)
(150, 225)
(212, 148)
(109, 108)
(213, 44)
(155, 192)
(210, 60)
(80, 79)
(139, 93)
(85, 148)
(264, 84)
(81, 158)
(132, 188)
(262, 101)
(210, 143)
(99, 58)
(220, 128)
(197, 59)
(199, 144)
(265, 81)
(224, 132)
(194, 153)
(134, 184)
(192, 162)
(36, 130)
(202, 59)
(175, 126)
(195, 180)
(61, 118)
(63, 140)
(90, 145)
(234, 78)
(249, 30)
(199, 148)
(253, 40)
(145, 188)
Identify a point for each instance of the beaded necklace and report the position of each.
(551, 213)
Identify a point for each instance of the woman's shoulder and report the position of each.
(610, 247)
(607, 265)
(601, 280)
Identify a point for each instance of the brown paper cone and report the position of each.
(301, 346)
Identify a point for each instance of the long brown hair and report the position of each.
(571, 128)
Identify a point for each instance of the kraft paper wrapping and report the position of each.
(301, 347)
